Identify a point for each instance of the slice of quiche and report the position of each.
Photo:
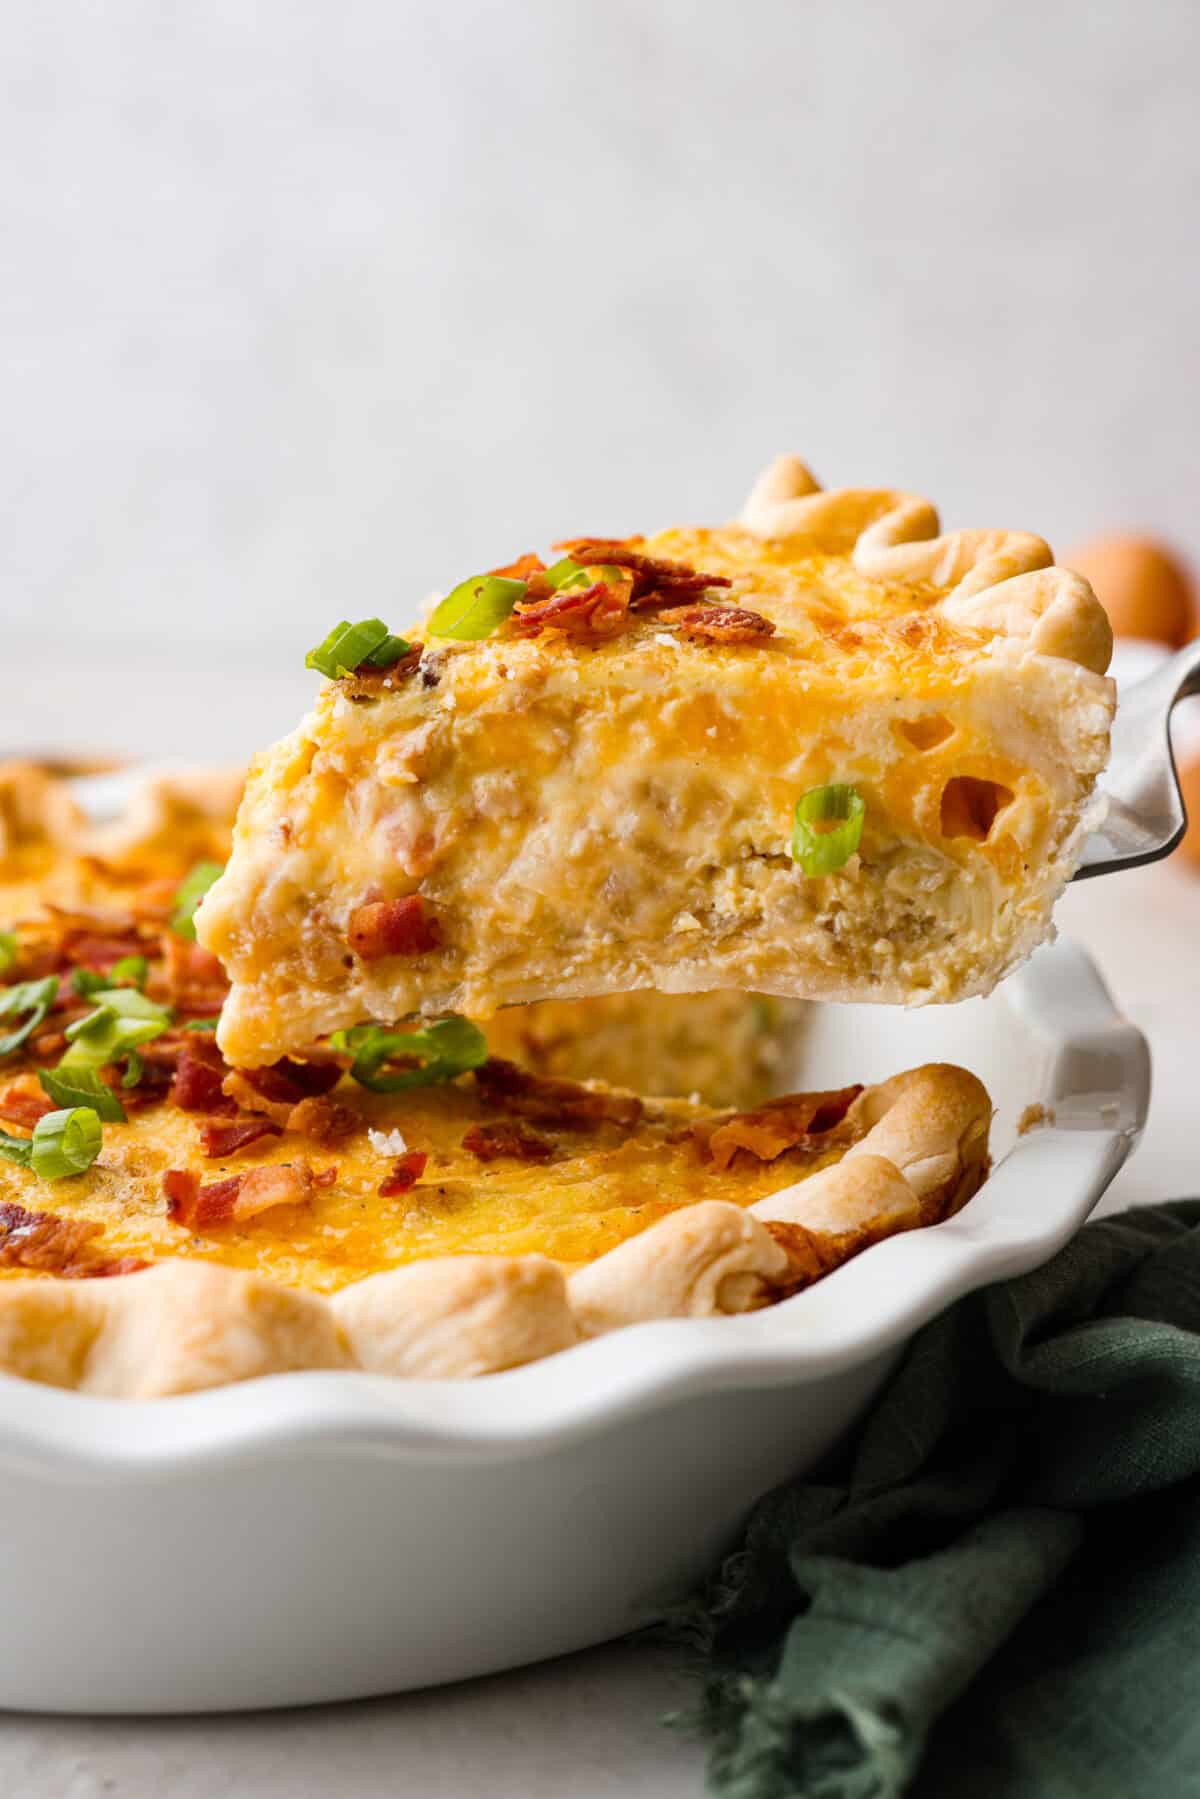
(398, 1201)
(823, 752)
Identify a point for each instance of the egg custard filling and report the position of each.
(824, 752)
(399, 1200)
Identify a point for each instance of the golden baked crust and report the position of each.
(549, 812)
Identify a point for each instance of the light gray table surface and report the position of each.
(588, 1724)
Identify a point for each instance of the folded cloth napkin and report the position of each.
(994, 1593)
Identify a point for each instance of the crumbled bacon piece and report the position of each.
(506, 1138)
(163, 1053)
(766, 1132)
(238, 1090)
(92, 940)
(200, 1068)
(598, 611)
(720, 624)
(406, 1171)
(290, 1081)
(324, 1120)
(182, 1188)
(547, 1100)
(656, 581)
(99, 954)
(397, 927)
(283, 1184)
(191, 978)
(34, 962)
(160, 1058)
(25, 1109)
(522, 568)
(106, 1270)
(235, 1200)
(368, 682)
(277, 1091)
(45, 1241)
(226, 1139)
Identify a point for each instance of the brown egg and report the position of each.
(1189, 782)
(1144, 588)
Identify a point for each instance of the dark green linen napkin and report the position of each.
(994, 1593)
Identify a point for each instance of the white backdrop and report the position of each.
(309, 308)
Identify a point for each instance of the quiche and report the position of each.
(400, 1201)
(824, 752)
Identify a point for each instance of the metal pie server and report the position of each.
(1146, 818)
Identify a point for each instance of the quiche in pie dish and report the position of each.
(398, 1201)
(824, 752)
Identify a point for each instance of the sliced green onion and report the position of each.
(134, 1069)
(389, 651)
(65, 1143)
(108, 1039)
(17, 1149)
(127, 1002)
(130, 971)
(8, 951)
(202, 1024)
(126, 1019)
(474, 608)
(33, 997)
(82, 1087)
(86, 983)
(448, 1048)
(827, 828)
(566, 574)
(190, 891)
(348, 646)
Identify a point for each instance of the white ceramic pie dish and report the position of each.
(326, 1536)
